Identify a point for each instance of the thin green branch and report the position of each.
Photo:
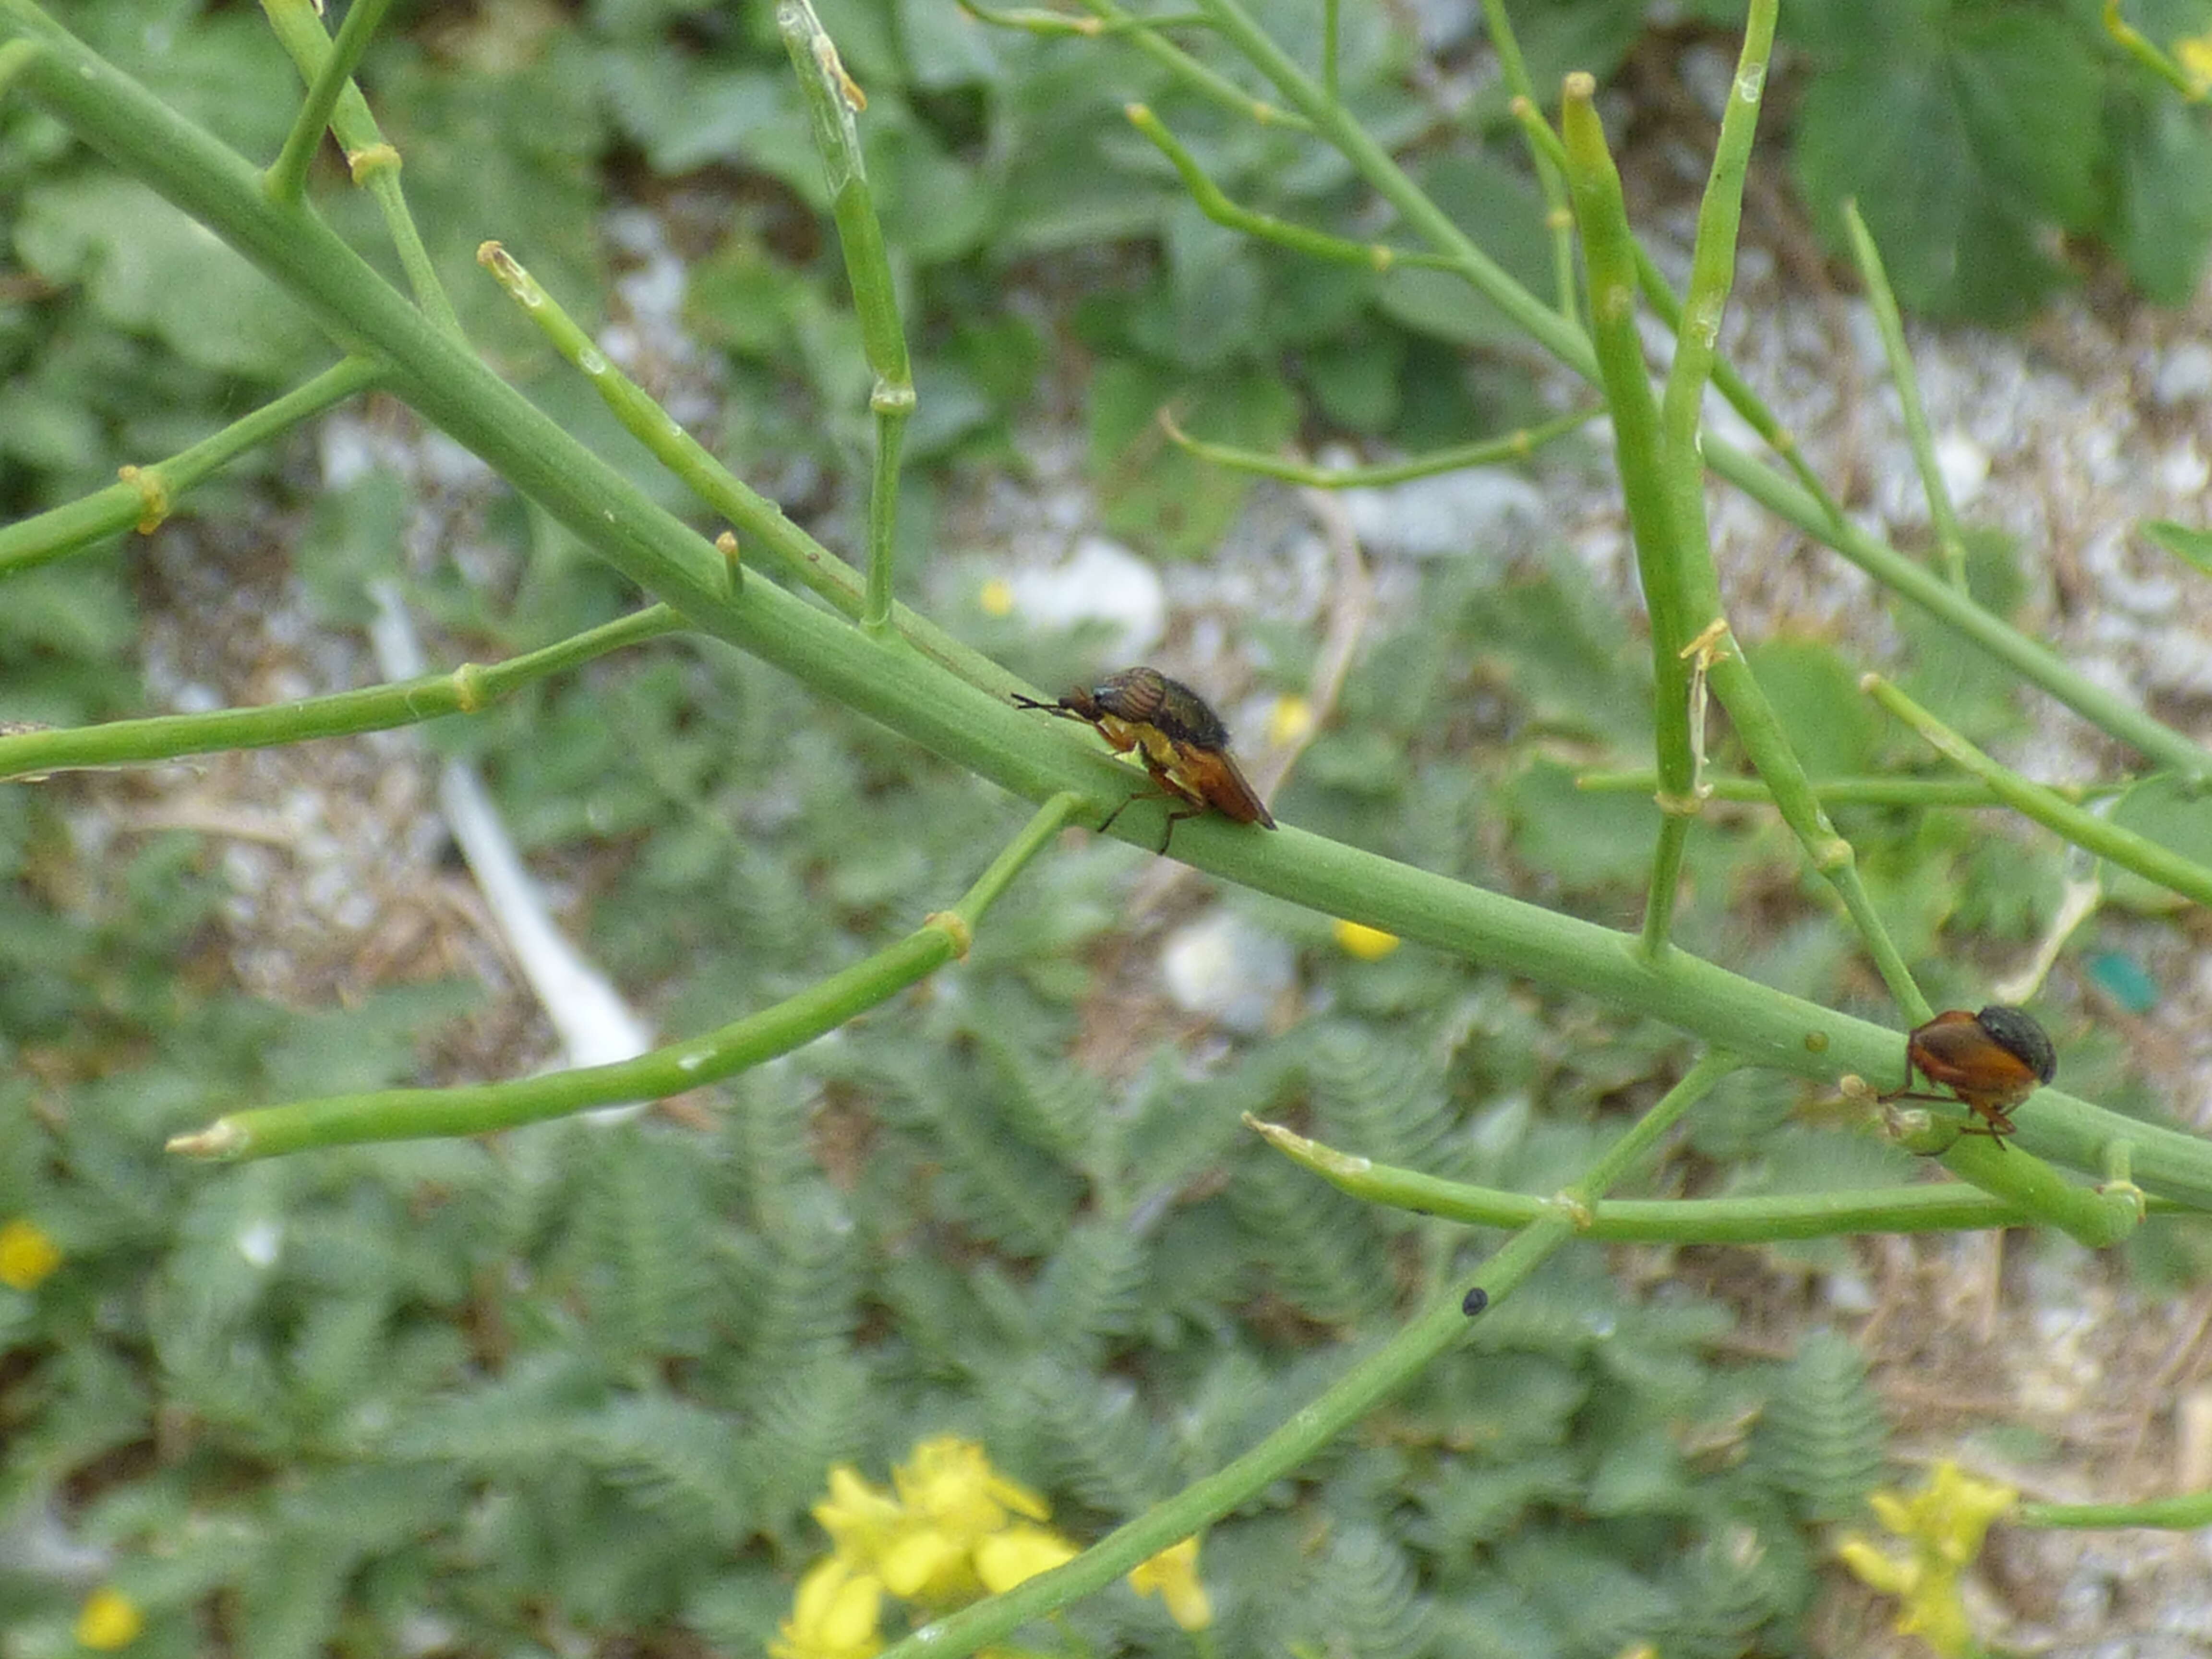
(772, 543)
(1550, 165)
(1889, 323)
(2147, 53)
(1144, 34)
(372, 161)
(412, 1113)
(464, 691)
(833, 101)
(1516, 446)
(1667, 306)
(2171, 1514)
(1667, 509)
(288, 176)
(1771, 1218)
(2048, 807)
(148, 494)
(1215, 204)
(1029, 21)
(1914, 792)
(1655, 506)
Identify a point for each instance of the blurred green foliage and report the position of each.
(579, 1385)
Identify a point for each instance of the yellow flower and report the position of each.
(2194, 54)
(861, 1519)
(1291, 721)
(997, 597)
(1368, 944)
(109, 1619)
(834, 1614)
(1020, 1553)
(949, 1480)
(1942, 1527)
(1172, 1575)
(26, 1256)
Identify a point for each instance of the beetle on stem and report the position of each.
(1180, 740)
(1990, 1061)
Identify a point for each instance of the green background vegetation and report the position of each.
(578, 1387)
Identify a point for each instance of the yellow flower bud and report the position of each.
(26, 1256)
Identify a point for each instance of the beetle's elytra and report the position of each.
(1990, 1061)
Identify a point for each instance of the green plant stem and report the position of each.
(1435, 1331)
(1491, 451)
(1768, 1219)
(2046, 806)
(1142, 33)
(1889, 323)
(2148, 55)
(1215, 204)
(1643, 463)
(1667, 307)
(1059, 24)
(409, 1114)
(2176, 1514)
(1914, 792)
(1668, 509)
(974, 729)
(372, 161)
(833, 101)
(465, 690)
(1799, 506)
(147, 493)
(1550, 165)
(773, 543)
(288, 176)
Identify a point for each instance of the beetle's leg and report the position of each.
(1174, 818)
(1107, 823)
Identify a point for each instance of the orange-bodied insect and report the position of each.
(1180, 740)
(1990, 1061)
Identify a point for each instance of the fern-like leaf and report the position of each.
(639, 1248)
(802, 1306)
(1323, 1251)
(1822, 1442)
(674, 1456)
(1376, 1094)
(808, 1420)
(1092, 1288)
(1091, 1435)
(1360, 1599)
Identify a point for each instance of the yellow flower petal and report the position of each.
(833, 1616)
(26, 1256)
(862, 1521)
(1288, 722)
(109, 1619)
(1368, 944)
(927, 1564)
(1172, 1575)
(1009, 1557)
(1871, 1565)
(949, 1480)
(2194, 54)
